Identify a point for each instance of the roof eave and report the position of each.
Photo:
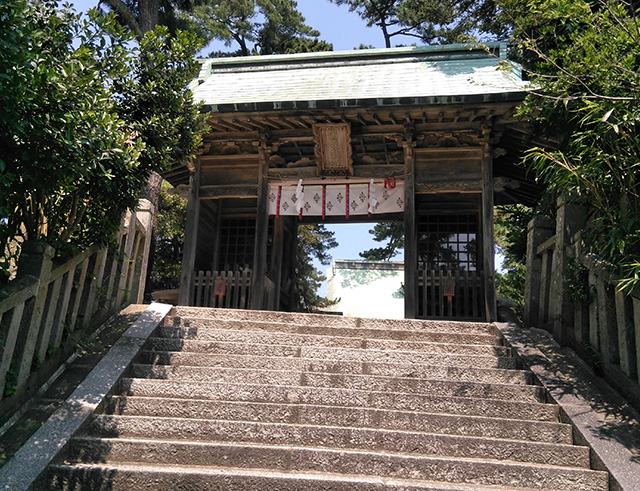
(514, 96)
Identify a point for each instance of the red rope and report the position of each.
(324, 200)
(346, 210)
(278, 201)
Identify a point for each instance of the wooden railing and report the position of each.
(223, 289)
(450, 294)
(46, 305)
(575, 297)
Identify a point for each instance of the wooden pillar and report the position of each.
(262, 229)
(190, 238)
(277, 250)
(410, 234)
(488, 249)
(215, 255)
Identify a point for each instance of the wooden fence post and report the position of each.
(144, 213)
(540, 229)
(636, 325)
(35, 260)
(570, 219)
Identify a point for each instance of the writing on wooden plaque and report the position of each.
(333, 148)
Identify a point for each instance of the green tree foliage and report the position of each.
(583, 58)
(169, 240)
(257, 26)
(511, 222)
(314, 241)
(430, 21)
(390, 232)
(77, 138)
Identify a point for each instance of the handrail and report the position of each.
(41, 310)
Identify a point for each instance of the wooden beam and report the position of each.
(262, 228)
(488, 248)
(410, 234)
(190, 239)
(241, 191)
(277, 250)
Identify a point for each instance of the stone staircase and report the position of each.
(244, 400)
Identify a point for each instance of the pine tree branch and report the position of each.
(127, 15)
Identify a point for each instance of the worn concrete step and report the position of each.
(440, 368)
(339, 397)
(198, 324)
(358, 462)
(139, 477)
(336, 320)
(309, 340)
(515, 429)
(413, 442)
(340, 354)
(183, 373)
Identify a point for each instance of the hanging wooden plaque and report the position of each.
(333, 148)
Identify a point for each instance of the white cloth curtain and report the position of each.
(336, 199)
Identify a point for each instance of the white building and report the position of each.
(367, 288)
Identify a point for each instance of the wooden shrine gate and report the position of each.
(299, 138)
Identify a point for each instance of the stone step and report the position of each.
(440, 368)
(340, 397)
(342, 354)
(436, 336)
(411, 442)
(310, 340)
(139, 477)
(515, 429)
(358, 462)
(345, 381)
(336, 320)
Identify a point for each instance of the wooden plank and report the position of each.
(235, 301)
(109, 295)
(432, 282)
(543, 312)
(134, 267)
(607, 323)
(626, 337)
(127, 256)
(410, 233)
(425, 293)
(262, 229)
(45, 333)
(550, 243)
(474, 295)
(594, 331)
(207, 290)
(636, 327)
(243, 290)
(61, 317)
(8, 347)
(333, 147)
(466, 310)
(77, 299)
(227, 298)
(199, 289)
(96, 282)
(191, 238)
(488, 248)
(277, 252)
(227, 191)
(441, 311)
